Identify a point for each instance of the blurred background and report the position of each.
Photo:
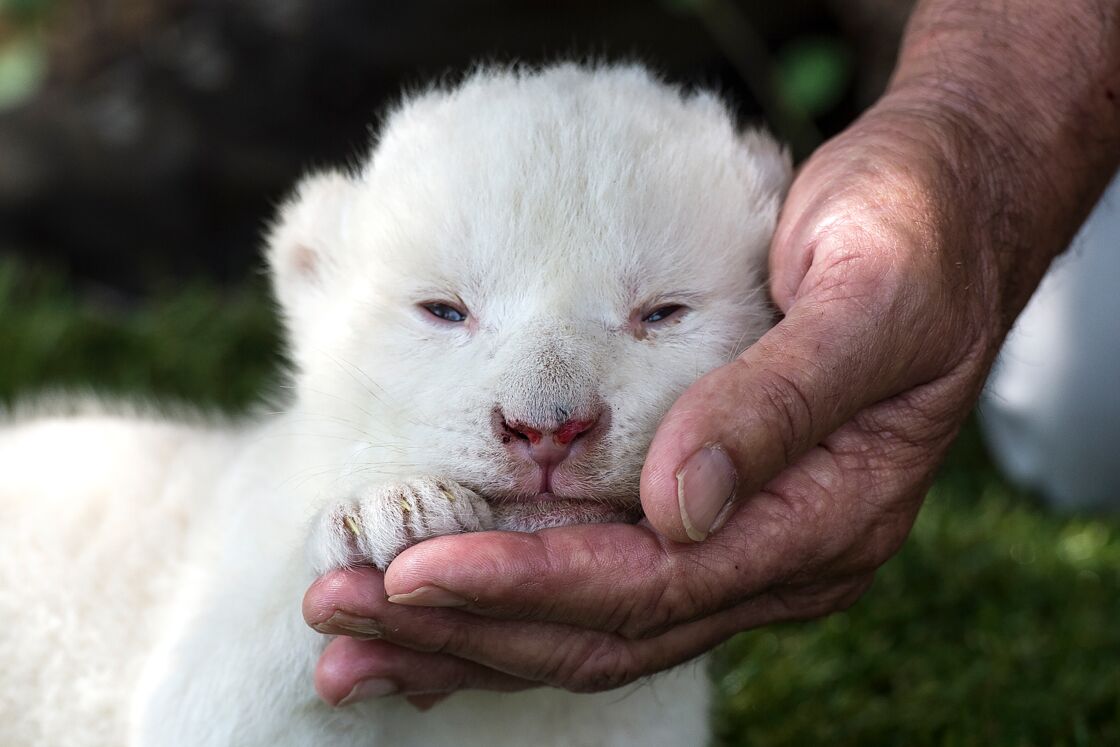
(144, 144)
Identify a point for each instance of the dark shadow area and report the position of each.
(145, 141)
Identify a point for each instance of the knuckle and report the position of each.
(818, 600)
(667, 607)
(860, 268)
(887, 540)
(791, 412)
(694, 585)
(841, 596)
(452, 640)
(593, 665)
(622, 614)
(853, 592)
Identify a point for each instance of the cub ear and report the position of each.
(304, 244)
(771, 161)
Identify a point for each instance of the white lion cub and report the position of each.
(487, 319)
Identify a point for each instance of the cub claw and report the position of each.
(378, 523)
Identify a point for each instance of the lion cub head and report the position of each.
(512, 289)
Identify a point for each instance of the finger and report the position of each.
(601, 577)
(615, 578)
(578, 659)
(354, 603)
(351, 670)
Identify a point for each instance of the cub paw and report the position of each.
(378, 523)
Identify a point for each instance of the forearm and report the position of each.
(1031, 93)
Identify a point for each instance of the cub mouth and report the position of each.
(545, 510)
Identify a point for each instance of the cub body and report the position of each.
(486, 321)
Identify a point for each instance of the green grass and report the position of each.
(192, 344)
(997, 624)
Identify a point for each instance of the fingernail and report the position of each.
(375, 687)
(343, 623)
(429, 596)
(705, 487)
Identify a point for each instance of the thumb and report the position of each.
(741, 424)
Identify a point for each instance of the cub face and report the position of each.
(514, 287)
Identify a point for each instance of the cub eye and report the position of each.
(446, 312)
(662, 313)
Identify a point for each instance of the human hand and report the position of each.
(905, 249)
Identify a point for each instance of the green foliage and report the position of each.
(998, 624)
(24, 61)
(193, 344)
(23, 70)
(813, 73)
(26, 10)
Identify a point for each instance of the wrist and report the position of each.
(1020, 104)
(1044, 71)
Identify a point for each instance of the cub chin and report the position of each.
(486, 318)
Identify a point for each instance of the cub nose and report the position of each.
(547, 446)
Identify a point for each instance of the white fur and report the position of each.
(152, 571)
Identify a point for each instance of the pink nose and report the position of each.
(548, 447)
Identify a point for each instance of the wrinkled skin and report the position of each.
(907, 246)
